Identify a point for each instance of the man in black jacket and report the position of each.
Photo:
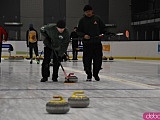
(74, 38)
(90, 28)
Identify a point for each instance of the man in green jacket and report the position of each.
(56, 39)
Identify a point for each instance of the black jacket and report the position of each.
(92, 26)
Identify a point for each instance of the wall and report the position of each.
(101, 8)
(54, 10)
(10, 12)
(120, 14)
(35, 11)
(31, 11)
(74, 11)
(119, 49)
(40, 12)
(134, 49)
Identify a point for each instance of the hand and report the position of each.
(48, 38)
(101, 36)
(87, 37)
(27, 45)
(4, 40)
(59, 58)
(111, 34)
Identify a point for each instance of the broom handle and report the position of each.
(60, 64)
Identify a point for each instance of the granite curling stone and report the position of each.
(57, 106)
(78, 100)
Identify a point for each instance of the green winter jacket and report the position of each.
(54, 39)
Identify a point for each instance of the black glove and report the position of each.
(27, 45)
(59, 58)
(111, 34)
(47, 42)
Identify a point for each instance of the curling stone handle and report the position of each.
(60, 98)
(78, 92)
(70, 74)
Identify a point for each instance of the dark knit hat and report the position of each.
(75, 27)
(87, 7)
(30, 25)
(61, 24)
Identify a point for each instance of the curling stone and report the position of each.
(71, 78)
(11, 58)
(19, 58)
(59, 106)
(78, 100)
(111, 58)
(104, 58)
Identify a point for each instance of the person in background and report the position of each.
(32, 43)
(91, 28)
(56, 43)
(74, 38)
(3, 38)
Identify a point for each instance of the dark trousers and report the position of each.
(45, 65)
(92, 51)
(31, 48)
(0, 50)
(74, 48)
(75, 53)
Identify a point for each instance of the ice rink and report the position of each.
(127, 89)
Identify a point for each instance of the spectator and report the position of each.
(3, 38)
(90, 28)
(32, 40)
(74, 38)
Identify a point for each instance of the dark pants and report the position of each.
(74, 49)
(92, 51)
(46, 61)
(75, 53)
(31, 48)
(0, 50)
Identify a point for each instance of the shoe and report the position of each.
(97, 78)
(50, 64)
(31, 62)
(37, 60)
(54, 80)
(74, 59)
(89, 80)
(44, 79)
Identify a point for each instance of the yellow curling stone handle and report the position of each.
(60, 100)
(78, 94)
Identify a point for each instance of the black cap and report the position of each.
(87, 7)
(61, 24)
(30, 25)
(75, 27)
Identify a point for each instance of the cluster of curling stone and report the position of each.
(57, 106)
(78, 100)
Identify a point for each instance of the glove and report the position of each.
(27, 45)
(101, 36)
(47, 42)
(59, 58)
(111, 34)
